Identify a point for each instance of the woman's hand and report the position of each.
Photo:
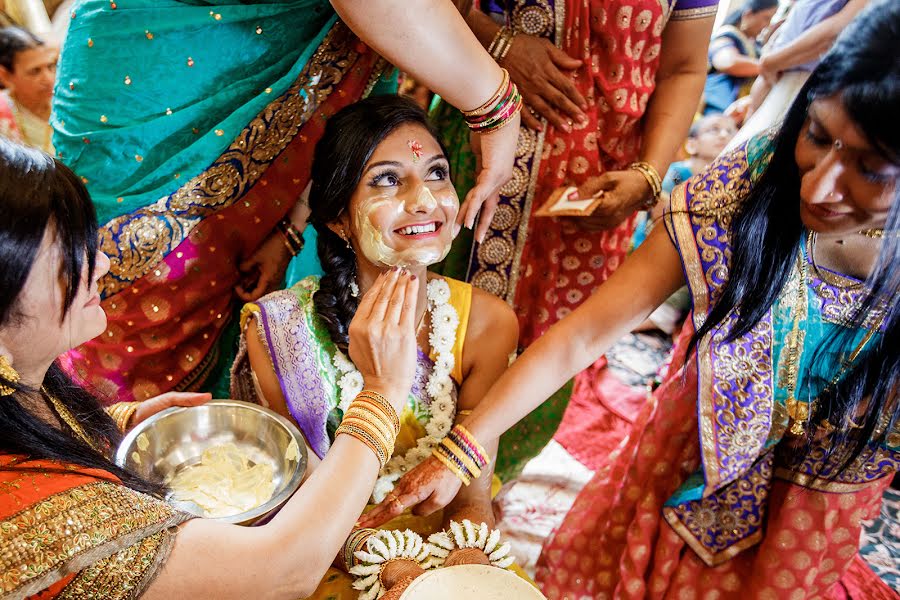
(383, 336)
(536, 66)
(263, 271)
(151, 406)
(622, 193)
(429, 487)
(495, 153)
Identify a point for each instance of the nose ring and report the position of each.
(838, 145)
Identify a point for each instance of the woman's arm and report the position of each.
(490, 340)
(680, 79)
(731, 62)
(639, 286)
(287, 557)
(812, 44)
(679, 84)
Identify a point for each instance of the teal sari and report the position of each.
(192, 125)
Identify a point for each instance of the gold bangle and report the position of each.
(355, 541)
(121, 413)
(391, 422)
(384, 404)
(373, 430)
(454, 468)
(459, 453)
(491, 102)
(377, 424)
(652, 176)
(367, 438)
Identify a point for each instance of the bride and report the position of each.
(381, 200)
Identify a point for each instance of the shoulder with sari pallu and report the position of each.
(71, 532)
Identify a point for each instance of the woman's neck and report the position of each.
(853, 255)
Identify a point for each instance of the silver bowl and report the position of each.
(176, 438)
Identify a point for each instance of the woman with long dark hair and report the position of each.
(74, 524)
(381, 197)
(749, 470)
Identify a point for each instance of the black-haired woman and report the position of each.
(749, 470)
(381, 197)
(27, 75)
(72, 524)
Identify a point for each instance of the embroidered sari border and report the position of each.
(80, 526)
(711, 559)
(172, 218)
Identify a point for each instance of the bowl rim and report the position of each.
(121, 455)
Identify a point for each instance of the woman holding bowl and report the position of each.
(72, 523)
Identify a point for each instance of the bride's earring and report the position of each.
(354, 287)
(346, 239)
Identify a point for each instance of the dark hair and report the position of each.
(751, 6)
(37, 192)
(347, 144)
(862, 70)
(14, 40)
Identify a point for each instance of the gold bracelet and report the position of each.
(491, 103)
(121, 413)
(377, 411)
(385, 442)
(367, 438)
(459, 453)
(355, 541)
(378, 425)
(454, 468)
(653, 180)
(384, 404)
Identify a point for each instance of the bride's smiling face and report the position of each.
(403, 210)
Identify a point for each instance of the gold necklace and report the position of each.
(877, 233)
(69, 419)
(799, 410)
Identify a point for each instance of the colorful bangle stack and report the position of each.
(355, 542)
(293, 239)
(372, 420)
(498, 111)
(121, 413)
(501, 44)
(652, 176)
(461, 453)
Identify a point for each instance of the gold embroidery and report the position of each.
(68, 531)
(139, 241)
(123, 575)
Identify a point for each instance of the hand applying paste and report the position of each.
(428, 243)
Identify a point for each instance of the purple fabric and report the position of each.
(805, 14)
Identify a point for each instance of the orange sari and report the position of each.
(71, 532)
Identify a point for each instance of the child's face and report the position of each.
(713, 135)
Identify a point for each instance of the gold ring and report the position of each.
(400, 504)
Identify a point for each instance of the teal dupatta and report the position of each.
(195, 74)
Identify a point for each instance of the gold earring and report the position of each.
(346, 238)
(8, 374)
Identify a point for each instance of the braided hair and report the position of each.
(350, 138)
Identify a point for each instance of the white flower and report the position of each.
(440, 341)
(445, 363)
(342, 363)
(445, 317)
(438, 387)
(438, 291)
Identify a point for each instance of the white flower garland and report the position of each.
(382, 547)
(444, 322)
(468, 535)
